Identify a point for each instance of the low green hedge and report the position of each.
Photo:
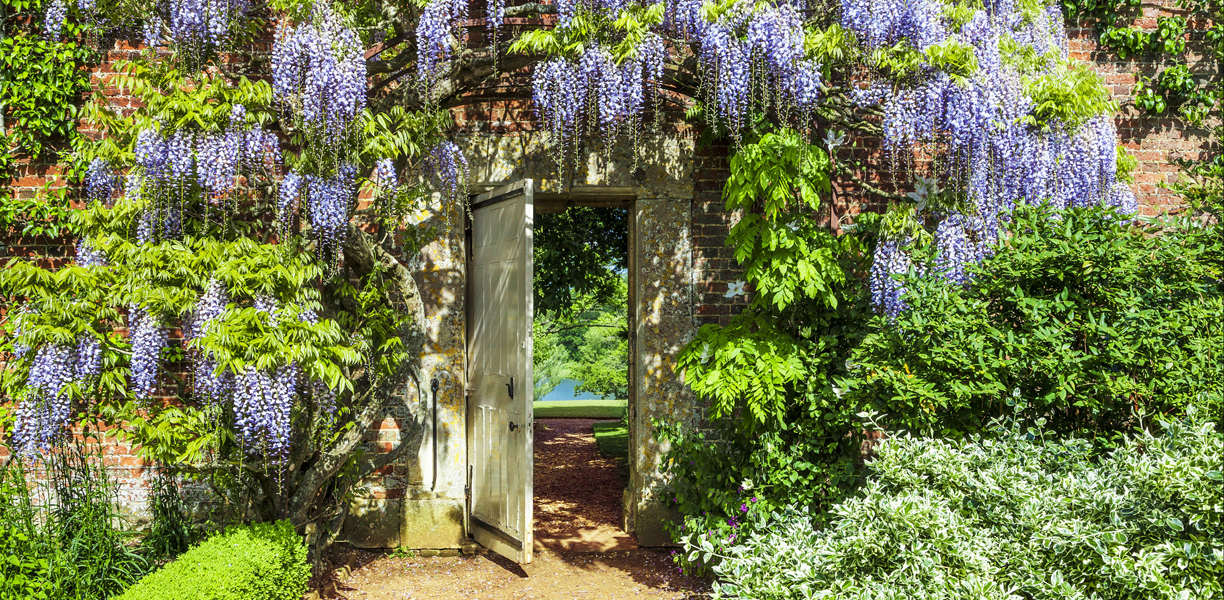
(580, 409)
(266, 561)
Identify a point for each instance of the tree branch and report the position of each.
(871, 189)
(361, 253)
(531, 8)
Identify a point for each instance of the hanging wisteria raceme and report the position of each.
(218, 163)
(496, 15)
(87, 255)
(259, 148)
(766, 68)
(568, 9)
(148, 338)
(883, 23)
(172, 165)
(384, 173)
(326, 202)
(595, 90)
(45, 412)
(159, 223)
(887, 291)
(151, 31)
(207, 384)
(447, 169)
(318, 70)
(435, 30)
(751, 57)
(955, 248)
(195, 24)
(263, 401)
(263, 406)
(288, 200)
(1123, 198)
(53, 20)
(324, 397)
(100, 180)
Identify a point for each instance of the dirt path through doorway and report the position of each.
(577, 491)
(581, 552)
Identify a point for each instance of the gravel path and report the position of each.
(581, 552)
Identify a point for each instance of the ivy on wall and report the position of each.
(42, 85)
(1194, 94)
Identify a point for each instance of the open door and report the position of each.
(500, 454)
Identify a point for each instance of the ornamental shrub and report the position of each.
(1102, 323)
(1015, 516)
(265, 561)
(1098, 321)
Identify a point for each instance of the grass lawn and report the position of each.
(583, 409)
(613, 440)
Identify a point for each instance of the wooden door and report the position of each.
(500, 453)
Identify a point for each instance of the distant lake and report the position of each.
(565, 391)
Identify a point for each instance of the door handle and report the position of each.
(510, 388)
(513, 426)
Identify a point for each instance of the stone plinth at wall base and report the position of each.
(434, 523)
(651, 520)
(627, 512)
(374, 523)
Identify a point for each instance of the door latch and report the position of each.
(510, 388)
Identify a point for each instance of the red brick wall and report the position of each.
(503, 107)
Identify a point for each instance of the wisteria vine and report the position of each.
(318, 71)
(996, 157)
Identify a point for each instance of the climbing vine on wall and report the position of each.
(44, 78)
(1190, 45)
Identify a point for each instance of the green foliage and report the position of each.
(899, 60)
(1126, 41)
(903, 60)
(960, 13)
(579, 258)
(1171, 89)
(779, 432)
(91, 555)
(1018, 517)
(955, 58)
(833, 44)
(620, 31)
(25, 570)
(1067, 96)
(266, 561)
(793, 264)
(45, 215)
(1097, 322)
(783, 253)
(42, 82)
(1126, 166)
(1202, 185)
(170, 530)
(1195, 97)
(60, 540)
